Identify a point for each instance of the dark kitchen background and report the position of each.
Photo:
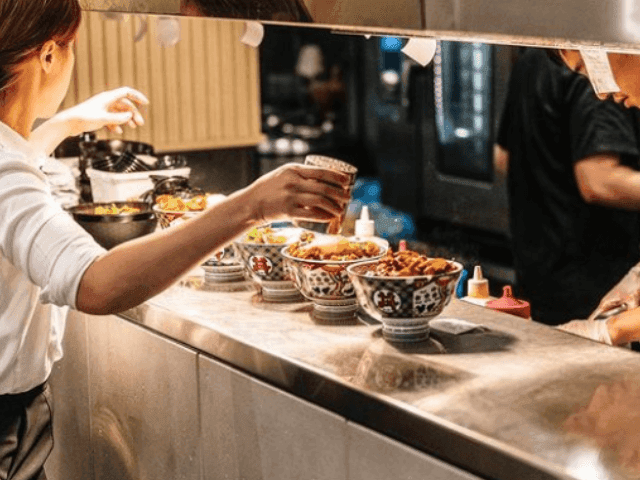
(421, 137)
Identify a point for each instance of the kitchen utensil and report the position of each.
(110, 230)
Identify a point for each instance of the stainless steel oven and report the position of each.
(430, 132)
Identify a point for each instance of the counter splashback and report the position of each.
(614, 24)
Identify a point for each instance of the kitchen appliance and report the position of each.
(110, 230)
(614, 24)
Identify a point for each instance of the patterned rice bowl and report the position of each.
(404, 305)
(327, 284)
(265, 264)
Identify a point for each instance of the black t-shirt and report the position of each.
(568, 253)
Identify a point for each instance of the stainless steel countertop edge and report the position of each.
(428, 433)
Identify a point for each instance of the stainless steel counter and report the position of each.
(517, 400)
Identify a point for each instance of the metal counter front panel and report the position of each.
(494, 404)
(144, 405)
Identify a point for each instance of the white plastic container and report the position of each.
(120, 187)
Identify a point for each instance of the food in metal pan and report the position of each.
(341, 250)
(114, 210)
(172, 203)
(408, 263)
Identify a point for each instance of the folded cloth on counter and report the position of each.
(455, 326)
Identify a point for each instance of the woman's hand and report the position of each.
(625, 294)
(298, 191)
(107, 109)
(598, 331)
(620, 329)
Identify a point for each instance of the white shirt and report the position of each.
(43, 256)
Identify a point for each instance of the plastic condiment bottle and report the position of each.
(365, 226)
(508, 304)
(478, 287)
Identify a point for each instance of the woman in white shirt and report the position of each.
(48, 263)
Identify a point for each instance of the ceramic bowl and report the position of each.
(167, 218)
(404, 305)
(111, 230)
(263, 260)
(327, 284)
(265, 264)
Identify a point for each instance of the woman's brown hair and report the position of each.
(26, 25)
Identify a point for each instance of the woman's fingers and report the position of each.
(322, 175)
(128, 93)
(126, 105)
(316, 205)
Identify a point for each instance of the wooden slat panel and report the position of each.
(83, 62)
(214, 80)
(157, 109)
(142, 55)
(228, 81)
(127, 68)
(200, 92)
(96, 54)
(172, 94)
(186, 83)
(255, 102)
(240, 60)
(204, 92)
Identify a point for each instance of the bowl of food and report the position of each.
(405, 290)
(319, 272)
(175, 209)
(260, 250)
(113, 223)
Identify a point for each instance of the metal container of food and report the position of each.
(112, 229)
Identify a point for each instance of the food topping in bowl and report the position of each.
(277, 236)
(113, 209)
(408, 263)
(172, 203)
(264, 235)
(341, 250)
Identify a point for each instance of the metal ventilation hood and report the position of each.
(614, 24)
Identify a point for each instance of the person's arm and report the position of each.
(624, 328)
(620, 329)
(135, 271)
(108, 109)
(500, 161)
(602, 180)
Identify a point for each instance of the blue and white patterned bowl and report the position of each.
(404, 305)
(327, 285)
(263, 261)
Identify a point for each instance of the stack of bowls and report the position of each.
(404, 305)
(223, 268)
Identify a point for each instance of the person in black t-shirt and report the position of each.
(575, 224)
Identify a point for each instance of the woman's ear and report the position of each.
(47, 55)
